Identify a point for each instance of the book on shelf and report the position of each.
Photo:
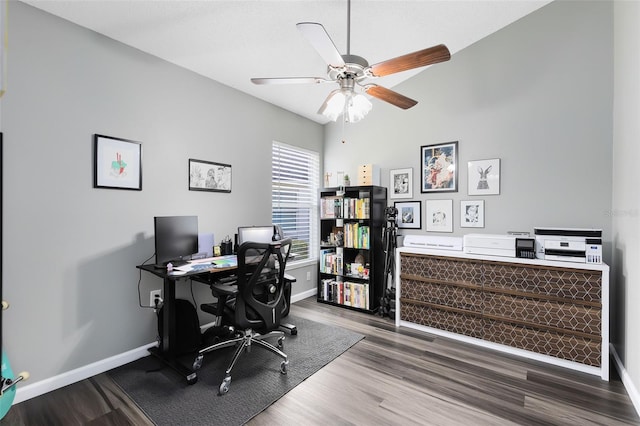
(345, 293)
(356, 208)
(357, 236)
(327, 260)
(331, 207)
(356, 295)
(331, 260)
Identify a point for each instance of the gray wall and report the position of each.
(626, 202)
(536, 94)
(70, 250)
(548, 97)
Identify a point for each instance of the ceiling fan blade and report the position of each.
(390, 96)
(421, 58)
(320, 40)
(291, 80)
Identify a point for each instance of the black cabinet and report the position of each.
(351, 267)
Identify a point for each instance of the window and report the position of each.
(294, 197)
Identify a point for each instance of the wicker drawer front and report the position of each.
(572, 348)
(570, 284)
(442, 294)
(584, 319)
(441, 269)
(468, 325)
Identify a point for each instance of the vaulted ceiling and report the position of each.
(233, 41)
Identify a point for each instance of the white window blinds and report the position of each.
(294, 183)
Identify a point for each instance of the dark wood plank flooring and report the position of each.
(392, 377)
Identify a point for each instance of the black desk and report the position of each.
(166, 351)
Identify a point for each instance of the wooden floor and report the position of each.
(392, 377)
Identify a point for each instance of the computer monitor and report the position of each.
(176, 238)
(257, 234)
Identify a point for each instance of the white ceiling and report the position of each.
(233, 41)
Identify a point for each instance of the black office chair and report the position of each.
(254, 304)
(288, 281)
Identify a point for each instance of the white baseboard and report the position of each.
(32, 390)
(626, 380)
(303, 295)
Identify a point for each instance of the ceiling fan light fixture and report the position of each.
(356, 107)
(333, 105)
(352, 106)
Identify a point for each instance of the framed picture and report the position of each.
(439, 215)
(439, 167)
(401, 182)
(209, 176)
(409, 214)
(484, 177)
(117, 163)
(472, 214)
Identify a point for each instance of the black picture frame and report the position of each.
(439, 167)
(409, 214)
(117, 163)
(209, 176)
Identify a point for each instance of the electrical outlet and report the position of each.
(152, 297)
(308, 275)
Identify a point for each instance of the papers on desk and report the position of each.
(194, 267)
(230, 261)
(209, 263)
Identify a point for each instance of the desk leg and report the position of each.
(168, 317)
(166, 351)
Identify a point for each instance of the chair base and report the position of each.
(292, 329)
(244, 340)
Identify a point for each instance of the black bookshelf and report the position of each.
(351, 267)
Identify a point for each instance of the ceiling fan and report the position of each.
(350, 70)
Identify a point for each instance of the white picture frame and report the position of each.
(401, 183)
(472, 214)
(483, 177)
(409, 214)
(439, 215)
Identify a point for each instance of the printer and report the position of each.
(433, 242)
(499, 245)
(569, 244)
(491, 245)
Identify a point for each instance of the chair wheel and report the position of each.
(281, 342)
(224, 386)
(197, 363)
(284, 367)
(294, 331)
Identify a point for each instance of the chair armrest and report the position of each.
(290, 278)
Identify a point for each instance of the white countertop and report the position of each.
(603, 267)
